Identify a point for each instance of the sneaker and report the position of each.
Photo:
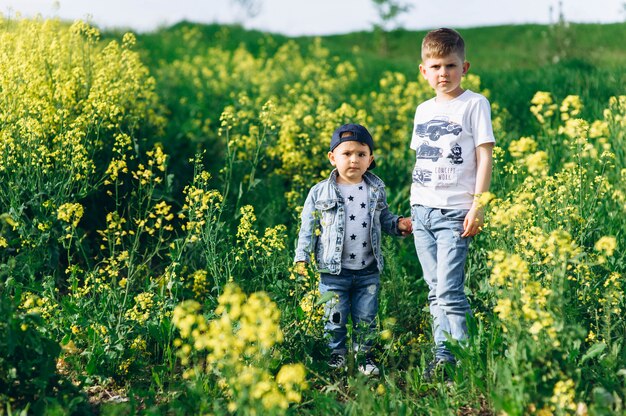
(369, 367)
(438, 369)
(337, 361)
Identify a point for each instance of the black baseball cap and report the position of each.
(359, 134)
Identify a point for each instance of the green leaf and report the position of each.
(325, 298)
(595, 350)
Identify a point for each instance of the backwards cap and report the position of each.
(359, 134)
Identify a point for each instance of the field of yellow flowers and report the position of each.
(148, 214)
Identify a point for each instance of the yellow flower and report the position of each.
(503, 309)
(563, 397)
(237, 343)
(543, 106)
(291, 374)
(606, 245)
(484, 198)
(571, 107)
(576, 129)
(537, 163)
(141, 311)
(523, 146)
(200, 286)
(70, 213)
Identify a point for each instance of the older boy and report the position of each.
(342, 220)
(453, 141)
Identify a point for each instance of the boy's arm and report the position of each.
(393, 224)
(306, 237)
(473, 222)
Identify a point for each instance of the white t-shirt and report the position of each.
(445, 137)
(357, 247)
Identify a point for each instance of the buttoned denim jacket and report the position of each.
(323, 223)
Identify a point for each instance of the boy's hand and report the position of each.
(473, 223)
(405, 226)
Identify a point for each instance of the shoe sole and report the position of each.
(371, 373)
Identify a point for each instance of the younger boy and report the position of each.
(342, 220)
(453, 142)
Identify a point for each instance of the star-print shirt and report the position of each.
(357, 252)
(445, 136)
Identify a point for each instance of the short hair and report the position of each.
(442, 42)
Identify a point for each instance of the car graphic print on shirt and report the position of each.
(422, 175)
(426, 151)
(438, 127)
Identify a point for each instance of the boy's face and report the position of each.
(444, 75)
(351, 160)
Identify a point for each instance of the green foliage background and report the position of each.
(141, 172)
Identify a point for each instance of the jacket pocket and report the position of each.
(328, 212)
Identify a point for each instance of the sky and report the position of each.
(315, 17)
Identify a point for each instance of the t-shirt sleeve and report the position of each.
(482, 128)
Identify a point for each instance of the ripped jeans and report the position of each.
(356, 296)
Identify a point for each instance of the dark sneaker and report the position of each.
(337, 361)
(369, 367)
(440, 369)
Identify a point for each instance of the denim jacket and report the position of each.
(323, 222)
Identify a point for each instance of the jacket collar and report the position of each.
(368, 177)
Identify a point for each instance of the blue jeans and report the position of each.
(356, 296)
(442, 253)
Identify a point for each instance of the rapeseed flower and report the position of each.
(563, 396)
(571, 107)
(141, 311)
(70, 213)
(537, 163)
(200, 284)
(236, 344)
(576, 129)
(543, 106)
(606, 245)
(522, 146)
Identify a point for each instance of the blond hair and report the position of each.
(442, 42)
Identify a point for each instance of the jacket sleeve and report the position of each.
(307, 238)
(388, 220)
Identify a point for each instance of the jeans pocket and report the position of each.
(454, 214)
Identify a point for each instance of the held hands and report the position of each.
(473, 223)
(405, 226)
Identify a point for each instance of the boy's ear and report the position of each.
(422, 70)
(466, 66)
(331, 157)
